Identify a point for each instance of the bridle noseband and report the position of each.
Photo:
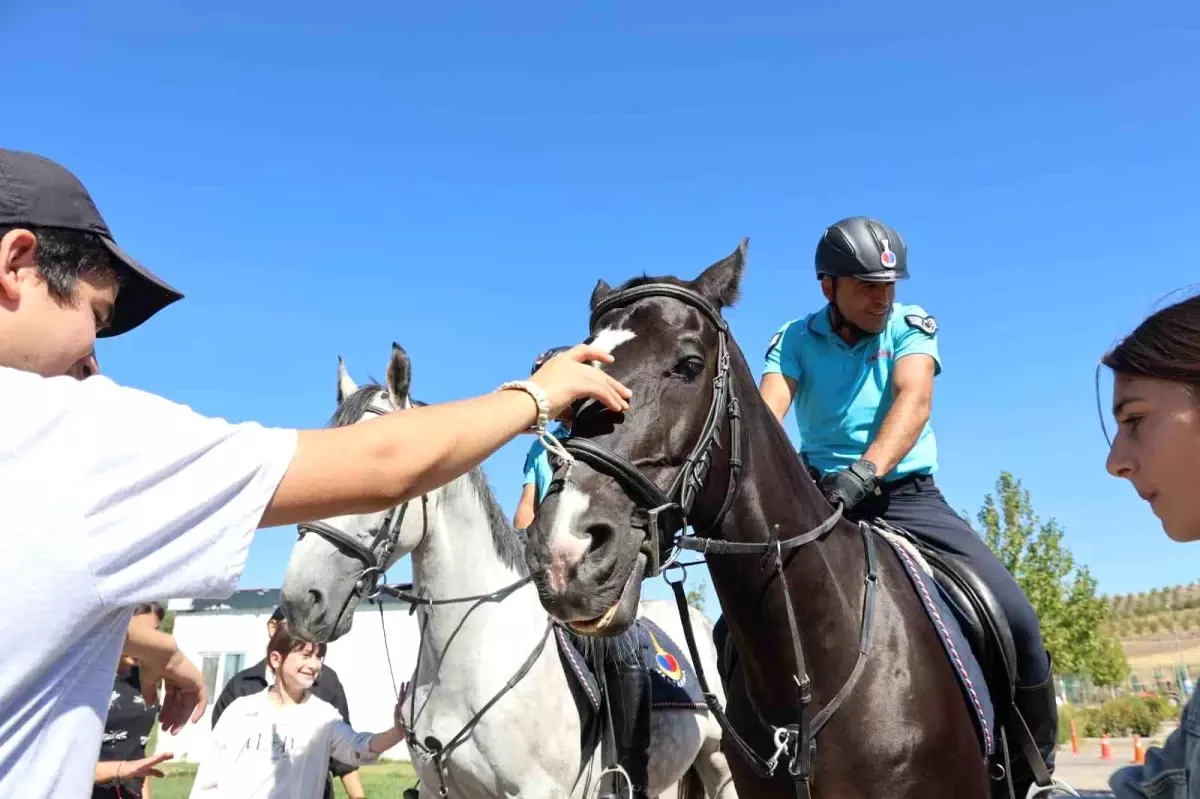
(662, 515)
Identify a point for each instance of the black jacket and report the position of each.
(326, 686)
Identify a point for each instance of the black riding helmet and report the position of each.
(864, 249)
(540, 360)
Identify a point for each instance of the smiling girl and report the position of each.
(1156, 402)
(278, 742)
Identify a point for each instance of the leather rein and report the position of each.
(662, 516)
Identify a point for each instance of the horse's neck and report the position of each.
(824, 577)
(457, 558)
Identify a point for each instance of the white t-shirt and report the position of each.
(109, 496)
(261, 749)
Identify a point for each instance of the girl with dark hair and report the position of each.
(278, 742)
(1156, 404)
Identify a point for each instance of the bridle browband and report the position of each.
(663, 514)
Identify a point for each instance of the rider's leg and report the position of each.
(628, 682)
(919, 507)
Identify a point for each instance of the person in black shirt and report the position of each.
(123, 769)
(326, 686)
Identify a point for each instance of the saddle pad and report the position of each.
(970, 676)
(673, 683)
(672, 679)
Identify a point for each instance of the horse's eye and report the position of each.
(689, 368)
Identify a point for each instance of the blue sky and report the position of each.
(323, 180)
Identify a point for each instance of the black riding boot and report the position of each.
(630, 703)
(1037, 706)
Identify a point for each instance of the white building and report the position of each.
(222, 637)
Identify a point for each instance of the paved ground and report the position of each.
(1087, 772)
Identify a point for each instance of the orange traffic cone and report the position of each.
(1105, 749)
(1074, 739)
(1139, 755)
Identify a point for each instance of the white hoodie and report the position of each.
(261, 750)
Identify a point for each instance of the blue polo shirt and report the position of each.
(843, 392)
(538, 471)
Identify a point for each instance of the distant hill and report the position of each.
(1148, 614)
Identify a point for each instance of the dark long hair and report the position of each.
(1165, 346)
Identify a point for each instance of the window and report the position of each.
(209, 666)
(234, 662)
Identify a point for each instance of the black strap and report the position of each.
(1029, 748)
(802, 736)
(402, 591)
(715, 546)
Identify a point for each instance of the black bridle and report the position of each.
(662, 515)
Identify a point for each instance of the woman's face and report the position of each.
(1157, 449)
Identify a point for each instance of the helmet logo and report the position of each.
(888, 258)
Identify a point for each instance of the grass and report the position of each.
(385, 779)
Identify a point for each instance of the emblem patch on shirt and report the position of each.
(925, 324)
(774, 340)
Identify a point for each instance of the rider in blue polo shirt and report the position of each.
(859, 375)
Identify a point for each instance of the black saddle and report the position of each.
(983, 621)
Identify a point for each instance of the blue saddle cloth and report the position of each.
(673, 683)
(966, 667)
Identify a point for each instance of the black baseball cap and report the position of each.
(37, 192)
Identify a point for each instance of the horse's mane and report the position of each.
(508, 545)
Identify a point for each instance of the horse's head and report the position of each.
(609, 517)
(338, 561)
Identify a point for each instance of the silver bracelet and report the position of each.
(539, 397)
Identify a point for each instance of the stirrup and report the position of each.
(1056, 784)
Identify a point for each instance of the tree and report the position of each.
(168, 622)
(1109, 667)
(695, 596)
(1063, 594)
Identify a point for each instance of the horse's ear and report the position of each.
(721, 282)
(399, 375)
(346, 386)
(601, 291)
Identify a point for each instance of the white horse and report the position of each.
(528, 743)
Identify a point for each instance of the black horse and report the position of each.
(841, 676)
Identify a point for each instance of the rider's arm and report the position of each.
(777, 391)
(912, 382)
(366, 467)
(526, 508)
(781, 372)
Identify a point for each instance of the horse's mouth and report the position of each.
(620, 616)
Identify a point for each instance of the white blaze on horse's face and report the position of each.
(610, 338)
(568, 542)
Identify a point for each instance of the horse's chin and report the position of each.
(620, 617)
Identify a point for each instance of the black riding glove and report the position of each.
(852, 485)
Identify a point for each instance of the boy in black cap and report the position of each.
(110, 496)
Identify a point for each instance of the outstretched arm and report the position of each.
(912, 384)
(363, 468)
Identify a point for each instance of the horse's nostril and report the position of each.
(599, 535)
(315, 599)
